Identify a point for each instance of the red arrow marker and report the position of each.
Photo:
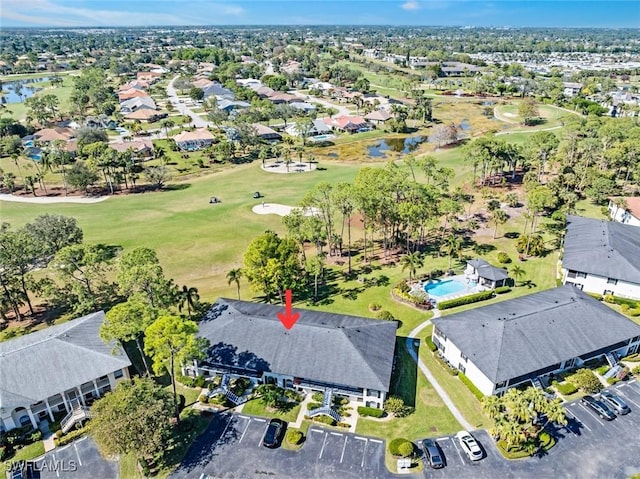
(288, 318)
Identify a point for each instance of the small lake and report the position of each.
(19, 90)
(397, 145)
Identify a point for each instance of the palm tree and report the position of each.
(412, 262)
(517, 272)
(188, 297)
(453, 246)
(498, 217)
(492, 406)
(234, 276)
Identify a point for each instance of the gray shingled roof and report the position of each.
(515, 337)
(604, 248)
(46, 362)
(488, 271)
(332, 348)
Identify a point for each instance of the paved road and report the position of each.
(196, 119)
(342, 109)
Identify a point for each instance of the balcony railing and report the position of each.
(76, 415)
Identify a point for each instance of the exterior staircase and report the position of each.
(224, 389)
(77, 414)
(537, 383)
(611, 359)
(326, 407)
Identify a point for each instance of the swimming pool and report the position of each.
(439, 288)
(323, 137)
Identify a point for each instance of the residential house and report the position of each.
(263, 91)
(571, 89)
(230, 105)
(531, 339)
(302, 106)
(278, 98)
(485, 274)
(266, 133)
(47, 135)
(220, 92)
(144, 114)
(194, 140)
(458, 68)
(378, 117)
(100, 121)
(56, 370)
(131, 93)
(148, 77)
(129, 106)
(629, 213)
(249, 83)
(602, 257)
(348, 355)
(134, 84)
(141, 148)
(291, 67)
(351, 124)
(318, 128)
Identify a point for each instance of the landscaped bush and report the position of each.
(632, 303)
(340, 400)
(608, 298)
(203, 398)
(587, 381)
(400, 447)
(419, 299)
(503, 258)
(219, 399)
(375, 306)
(565, 388)
(395, 405)
(632, 357)
(365, 411)
(476, 392)
(472, 298)
(597, 296)
(502, 290)
(636, 371)
(602, 369)
(313, 405)
(323, 419)
(71, 436)
(430, 344)
(293, 395)
(385, 315)
(317, 397)
(343, 424)
(5, 452)
(35, 436)
(239, 386)
(451, 370)
(200, 381)
(186, 380)
(403, 287)
(294, 437)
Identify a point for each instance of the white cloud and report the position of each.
(411, 5)
(45, 12)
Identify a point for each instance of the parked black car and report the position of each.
(615, 402)
(432, 454)
(275, 431)
(257, 195)
(599, 407)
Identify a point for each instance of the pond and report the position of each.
(19, 90)
(398, 145)
(465, 125)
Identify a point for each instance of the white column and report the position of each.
(67, 406)
(81, 396)
(112, 381)
(95, 388)
(34, 423)
(195, 367)
(46, 401)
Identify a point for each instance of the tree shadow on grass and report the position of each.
(404, 378)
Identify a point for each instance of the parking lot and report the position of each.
(589, 447)
(231, 448)
(78, 460)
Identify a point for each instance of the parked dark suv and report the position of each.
(432, 454)
(599, 407)
(615, 402)
(274, 433)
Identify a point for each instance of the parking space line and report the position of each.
(364, 453)
(244, 432)
(225, 429)
(54, 462)
(336, 433)
(378, 441)
(344, 446)
(443, 439)
(324, 443)
(259, 419)
(262, 435)
(360, 438)
(75, 446)
(581, 422)
(317, 430)
(244, 417)
(458, 451)
(592, 415)
(626, 396)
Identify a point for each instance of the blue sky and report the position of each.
(69, 13)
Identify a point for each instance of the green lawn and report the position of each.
(256, 407)
(459, 393)
(19, 110)
(431, 416)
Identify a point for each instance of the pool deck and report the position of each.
(460, 278)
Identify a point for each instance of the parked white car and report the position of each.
(469, 445)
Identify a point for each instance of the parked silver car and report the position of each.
(615, 402)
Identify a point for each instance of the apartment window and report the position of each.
(612, 281)
(437, 332)
(464, 358)
(118, 374)
(501, 384)
(571, 274)
(462, 368)
(581, 275)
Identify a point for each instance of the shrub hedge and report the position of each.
(71, 436)
(566, 388)
(587, 381)
(472, 298)
(324, 420)
(502, 289)
(597, 296)
(370, 411)
(451, 370)
(503, 258)
(399, 446)
(476, 392)
(294, 437)
(430, 344)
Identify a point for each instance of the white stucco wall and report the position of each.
(598, 284)
(621, 215)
